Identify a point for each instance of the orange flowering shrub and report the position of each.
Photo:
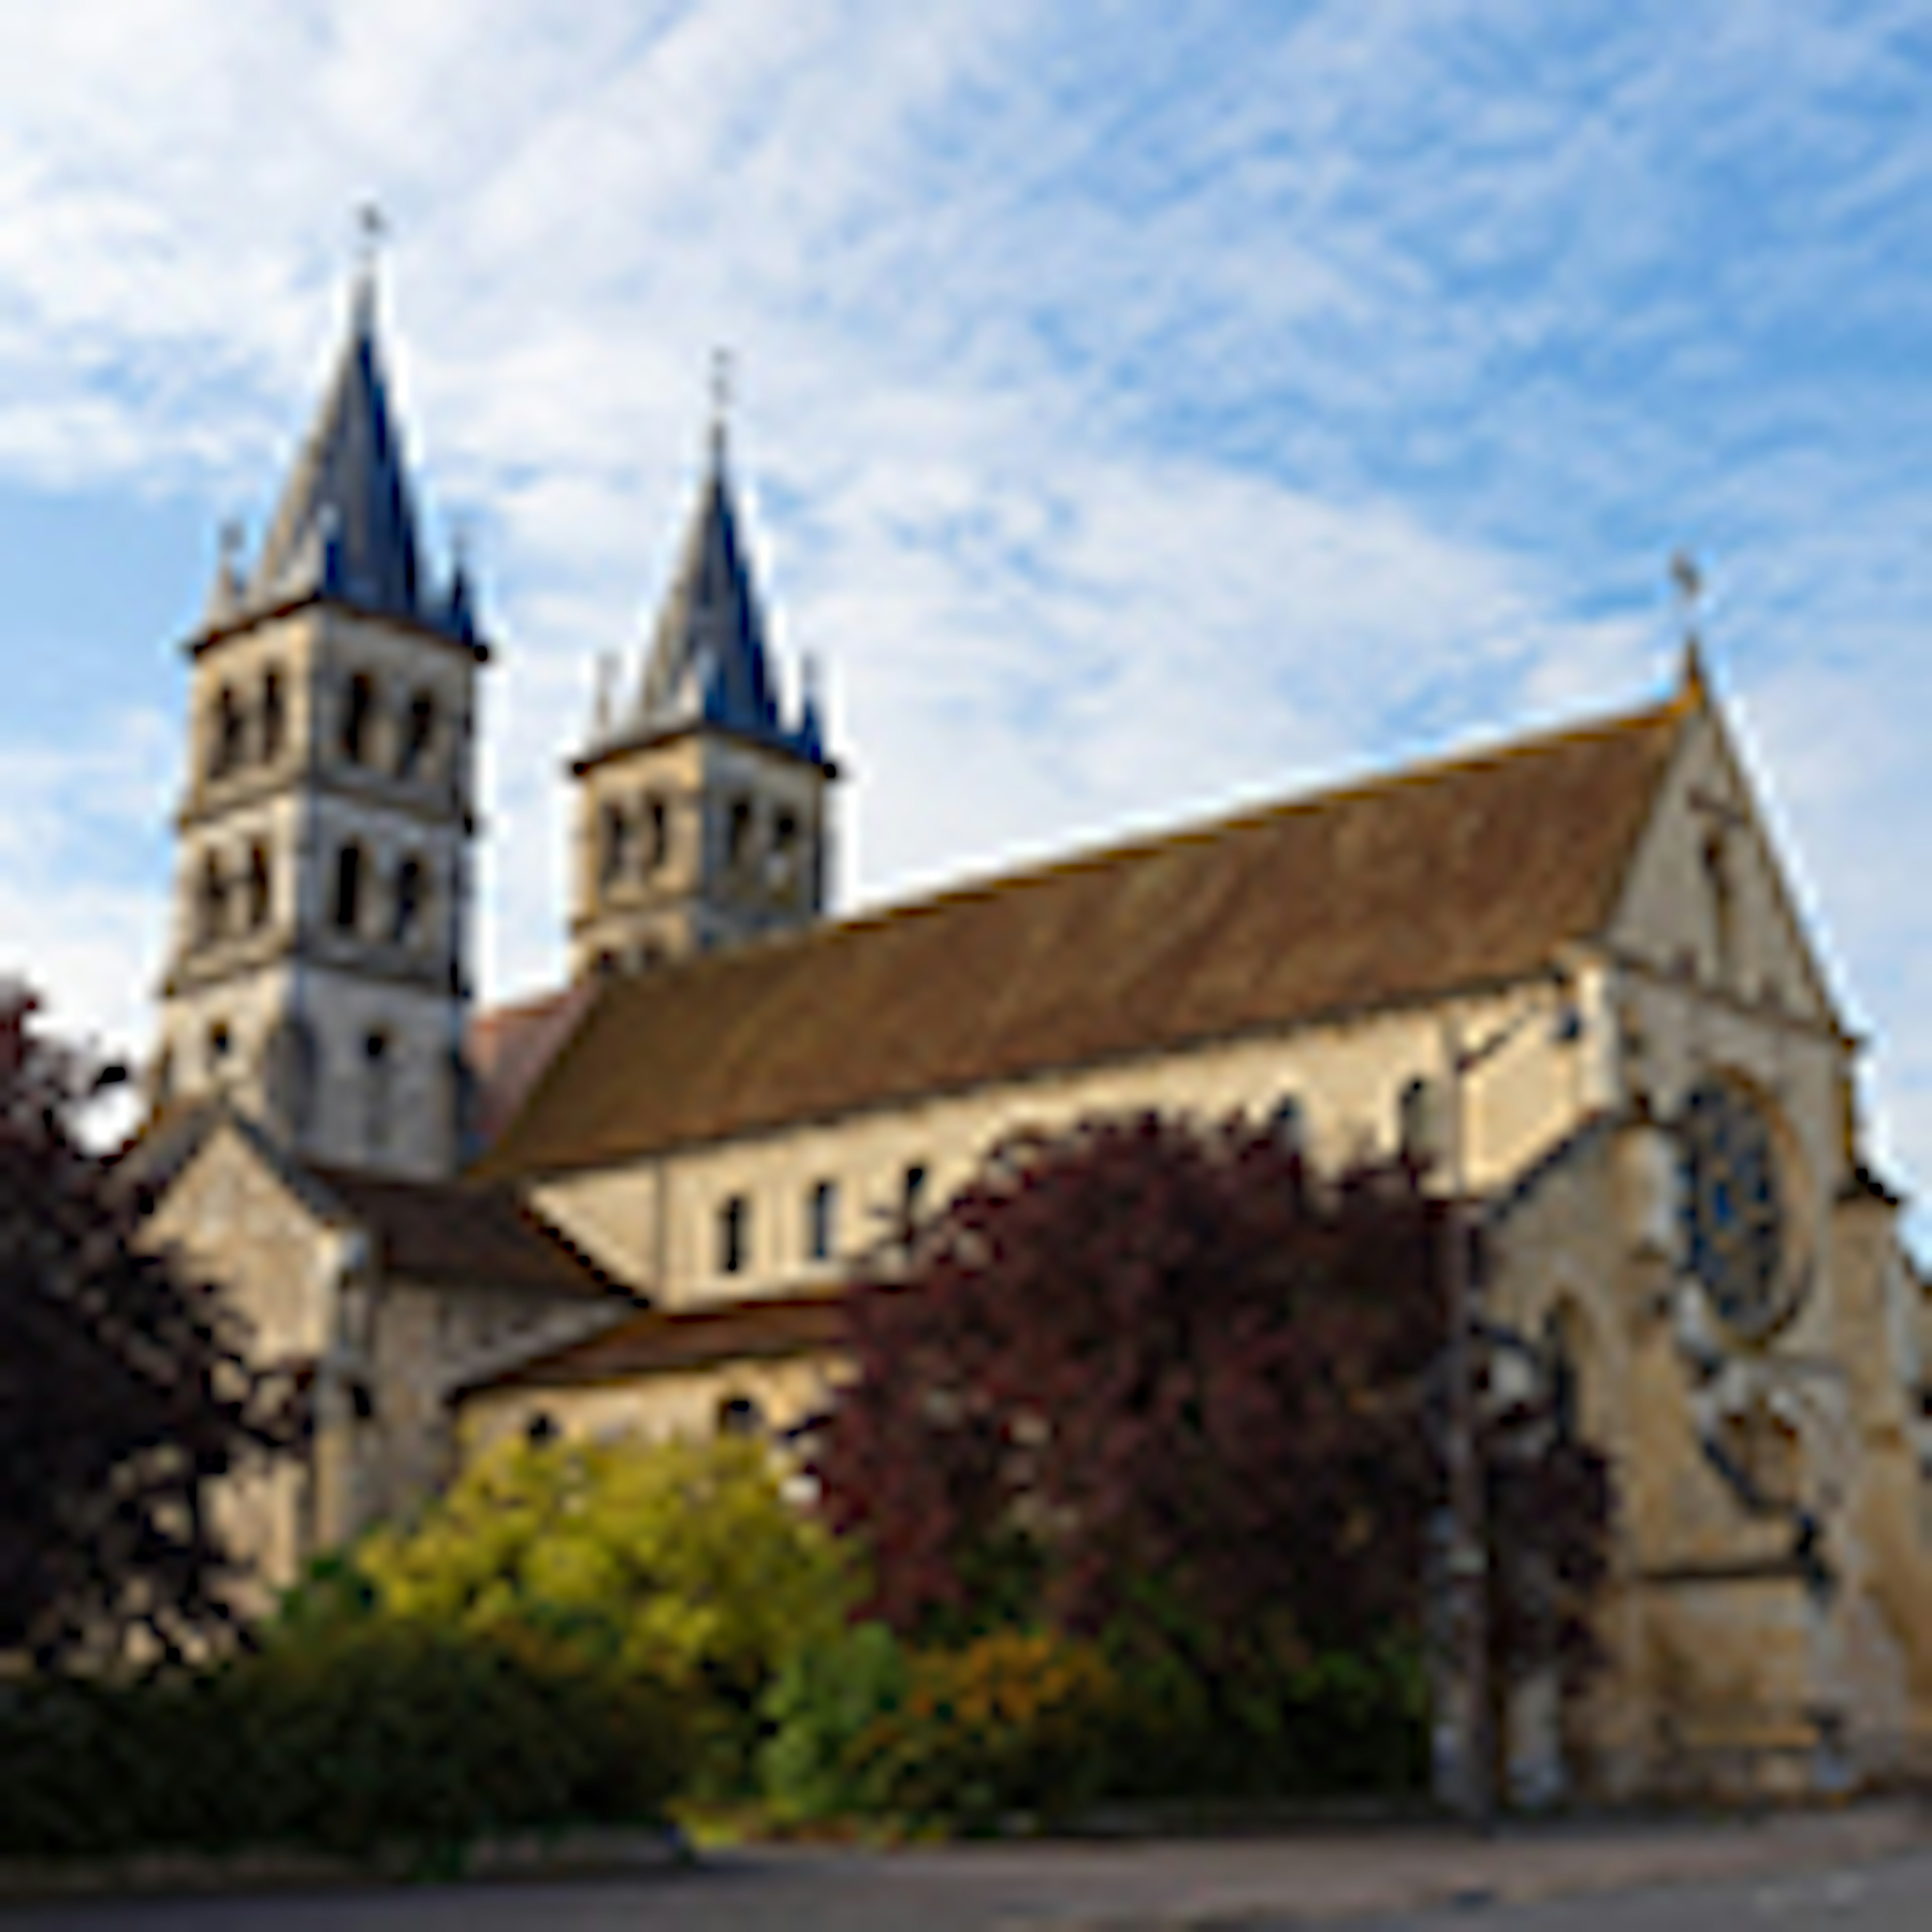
(1016, 1721)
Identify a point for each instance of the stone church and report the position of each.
(628, 1206)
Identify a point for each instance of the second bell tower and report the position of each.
(702, 814)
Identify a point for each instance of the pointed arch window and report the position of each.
(350, 868)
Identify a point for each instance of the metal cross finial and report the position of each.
(722, 373)
(1689, 582)
(372, 230)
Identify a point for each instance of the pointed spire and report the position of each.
(708, 660)
(604, 706)
(810, 736)
(459, 610)
(345, 528)
(225, 593)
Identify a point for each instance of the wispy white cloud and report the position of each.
(1144, 408)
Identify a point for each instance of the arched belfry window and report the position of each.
(781, 864)
(613, 843)
(350, 868)
(210, 900)
(261, 887)
(358, 719)
(738, 831)
(228, 734)
(419, 734)
(406, 921)
(275, 717)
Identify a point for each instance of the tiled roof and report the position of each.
(509, 1047)
(758, 1328)
(428, 1230)
(1462, 873)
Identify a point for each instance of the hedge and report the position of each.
(388, 1734)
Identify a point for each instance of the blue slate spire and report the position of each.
(709, 665)
(708, 660)
(345, 529)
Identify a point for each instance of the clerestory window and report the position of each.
(821, 1219)
(734, 1234)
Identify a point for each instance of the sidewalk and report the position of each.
(1202, 1886)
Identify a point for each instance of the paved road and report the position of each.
(1895, 1895)
(1852, 1880)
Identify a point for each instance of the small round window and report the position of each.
(1735, 1218)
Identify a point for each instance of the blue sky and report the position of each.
(1141, 408)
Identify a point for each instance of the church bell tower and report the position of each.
(317, 976)
(701, 817)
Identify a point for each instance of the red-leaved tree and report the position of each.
(1147, 1370)
(124, 1389)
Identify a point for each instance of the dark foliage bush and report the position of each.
(389, 1735)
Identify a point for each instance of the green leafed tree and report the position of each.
(682, 1559)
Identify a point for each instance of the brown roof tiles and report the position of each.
(1465, 873)
(479, 1237)
(759, 1328)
